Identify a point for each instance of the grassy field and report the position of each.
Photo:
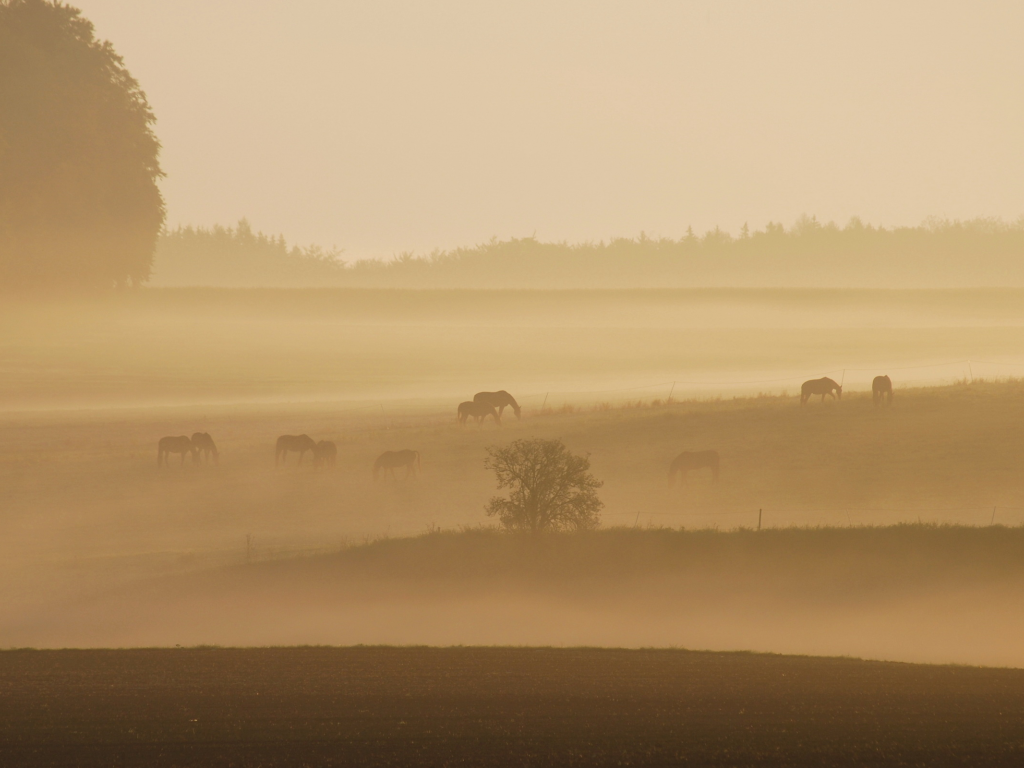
(87, 510)
(491, 706)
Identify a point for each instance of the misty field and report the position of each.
(373, 347)
(89, 387)
(100, 547)
(480, 706)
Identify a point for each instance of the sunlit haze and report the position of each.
(386, 127)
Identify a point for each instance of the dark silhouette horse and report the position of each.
(390, 460)
(881, 387)
(205, 447)
(326, 454)
(688, 460)
(500, 400)
(823, 386)
(298, 443)
(181, 444)
(478, 411)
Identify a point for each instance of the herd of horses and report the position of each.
(484, 404)
(325, 453)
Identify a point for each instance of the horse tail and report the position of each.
(376, 467)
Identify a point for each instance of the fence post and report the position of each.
(993, 520)
(672, 390)
(759, 519)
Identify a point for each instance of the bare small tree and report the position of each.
(550, 489)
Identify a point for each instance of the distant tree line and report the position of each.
(79, 202)
(237, 257)
(982, 252)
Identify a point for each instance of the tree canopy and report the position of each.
(550, 488)
(79, 162)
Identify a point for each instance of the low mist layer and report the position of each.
(180, 347)
(885, 593)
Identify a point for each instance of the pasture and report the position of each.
(89, 513)
(89, 388)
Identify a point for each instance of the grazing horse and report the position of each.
(168, 445)
(823, 386)
(389, 460)
(881, 387)
(688, 460)
(478, 411)
(326, 453)
(500, 400)
(205, 447)
(298, 443)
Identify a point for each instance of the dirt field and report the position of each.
(491, 706)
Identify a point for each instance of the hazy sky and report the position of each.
(381, 127)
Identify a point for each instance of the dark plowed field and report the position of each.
(498, 706)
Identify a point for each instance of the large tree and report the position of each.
(79, 202)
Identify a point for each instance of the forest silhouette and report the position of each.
(936, 254)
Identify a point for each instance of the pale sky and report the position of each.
(383, 127)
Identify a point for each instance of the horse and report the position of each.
(389, 460)
(881, 387)
(688, 460)
(478, 411)
(823, 386)
(500, 400)
(168, 445)
(205, 447)
(326, 453)
(298, 443)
